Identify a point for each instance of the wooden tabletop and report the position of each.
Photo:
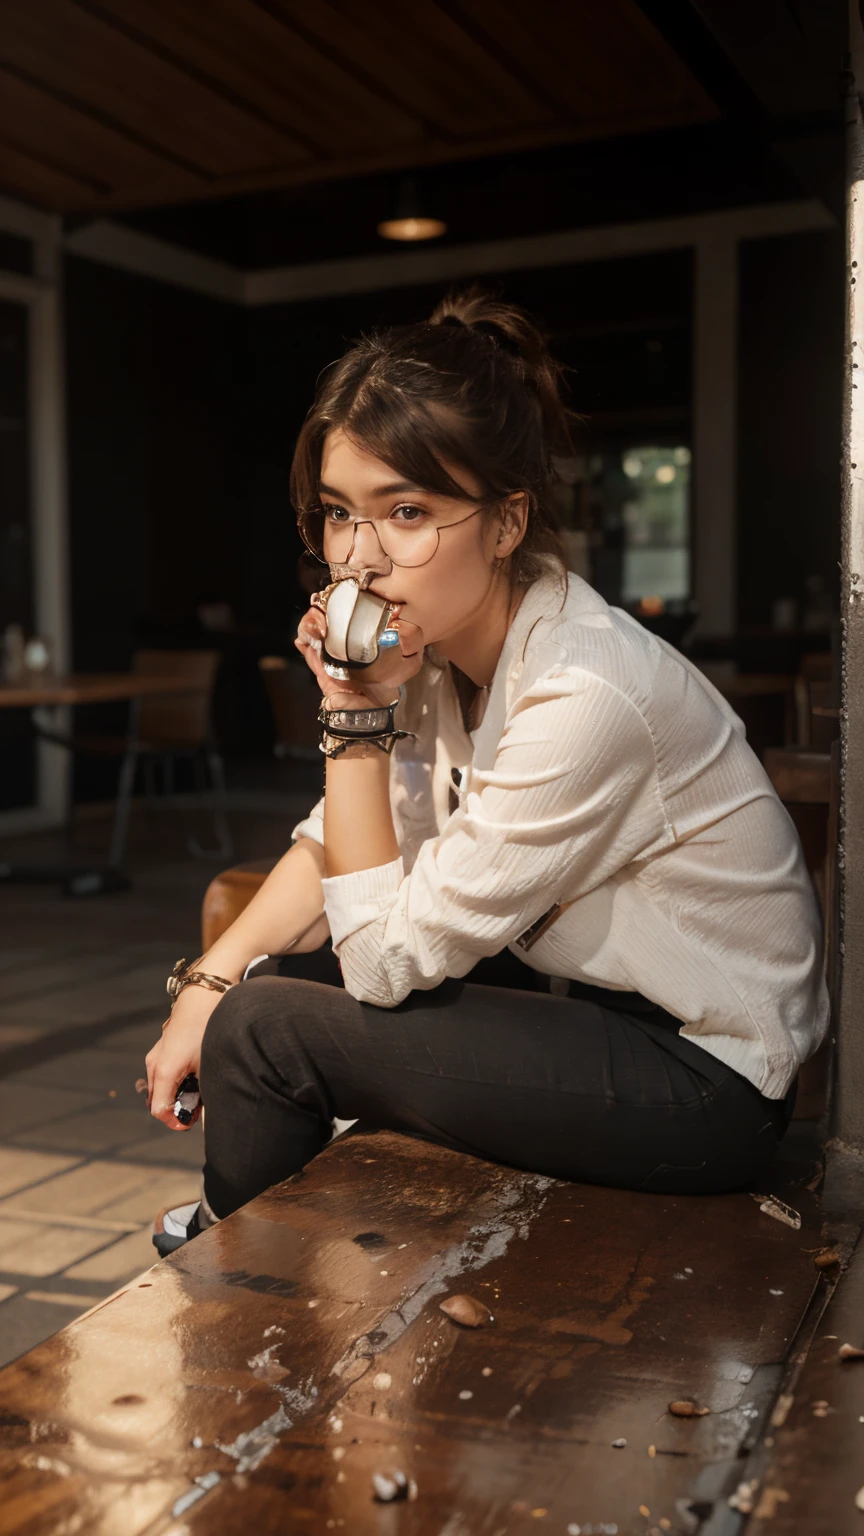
(90, 688)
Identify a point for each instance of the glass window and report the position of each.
(626, 518)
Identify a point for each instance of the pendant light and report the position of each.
(410, 220)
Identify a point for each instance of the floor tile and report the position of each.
(90, 1071)
(19, 1169)
(21, 1034)
(123, 1259)
(163, 1187)
(25, 1106)
(12, 960)
(30, 1248)
(182, 1150)
(85, 1191)
(79, 1303)
(23, 1324)
(134, 1037)
(93, 1000)
(96, 1129)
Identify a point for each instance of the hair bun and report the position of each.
(515, 333)
(497, 333)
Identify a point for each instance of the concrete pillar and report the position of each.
(848, 1098)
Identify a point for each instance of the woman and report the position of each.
(574, 926)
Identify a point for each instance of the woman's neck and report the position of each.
(476, 649)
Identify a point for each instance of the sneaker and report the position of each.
(173, 1228)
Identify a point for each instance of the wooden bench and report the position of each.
(263, 1376)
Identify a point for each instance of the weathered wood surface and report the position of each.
(814, 1467)
(261, 1376)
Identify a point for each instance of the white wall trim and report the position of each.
(365, 274)
(42, 294)
(126, 249)
(116, 246)
(30, 223)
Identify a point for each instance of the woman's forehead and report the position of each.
(350, 470)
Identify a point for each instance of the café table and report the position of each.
(34, 691)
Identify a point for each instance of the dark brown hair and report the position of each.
(475, 386)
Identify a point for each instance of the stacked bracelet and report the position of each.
(375, 725)
(184, 976)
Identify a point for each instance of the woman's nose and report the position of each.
(366, 550)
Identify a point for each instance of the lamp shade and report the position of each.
(410, 220)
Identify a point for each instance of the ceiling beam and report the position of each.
(117, 246)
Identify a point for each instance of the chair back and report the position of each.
(177, 720)
(817, 714)
(808, 783)
(295, 700)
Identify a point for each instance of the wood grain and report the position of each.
(259, 1378)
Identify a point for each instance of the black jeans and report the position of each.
(597, 1086)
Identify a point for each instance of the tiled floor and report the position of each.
(83, 1167)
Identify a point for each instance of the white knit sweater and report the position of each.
(606, 769)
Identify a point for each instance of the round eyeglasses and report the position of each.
(331, 538)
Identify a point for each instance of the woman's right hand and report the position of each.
(178, 1053)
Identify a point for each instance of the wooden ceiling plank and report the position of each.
(320, 29)
(243, 116)
(46, 186)
(582, 56)
(237, 41)
(53, 92)
(474, 90)
(424, 90)
(513, 61)
(40, 123)
(431, 154)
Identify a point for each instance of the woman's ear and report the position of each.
(513, 520)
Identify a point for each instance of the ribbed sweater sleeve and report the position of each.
(571, 797)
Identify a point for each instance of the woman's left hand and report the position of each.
(378, 682)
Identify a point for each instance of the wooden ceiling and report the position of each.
(108, 104)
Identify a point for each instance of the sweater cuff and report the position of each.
(353, 901)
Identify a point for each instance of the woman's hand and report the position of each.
(178, 1053)
(378, 683)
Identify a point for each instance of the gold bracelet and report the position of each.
(184, 975)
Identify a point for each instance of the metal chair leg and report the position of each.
(124, 802)
(224, 849)
(149, 765)
(125, 787)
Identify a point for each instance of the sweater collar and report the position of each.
(542, 600)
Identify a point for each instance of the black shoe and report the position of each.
(173, 1228)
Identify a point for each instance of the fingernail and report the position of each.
(388, 637)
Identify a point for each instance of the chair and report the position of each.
(808, 784)
(294, 699)
(817, 702)
(228, 895)
(163, 728)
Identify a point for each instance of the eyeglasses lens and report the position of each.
(404, 544)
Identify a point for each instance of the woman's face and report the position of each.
(442, 596)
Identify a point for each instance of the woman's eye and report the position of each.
(336, 514)
(409, 514)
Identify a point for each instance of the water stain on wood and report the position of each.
(584, 1352)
